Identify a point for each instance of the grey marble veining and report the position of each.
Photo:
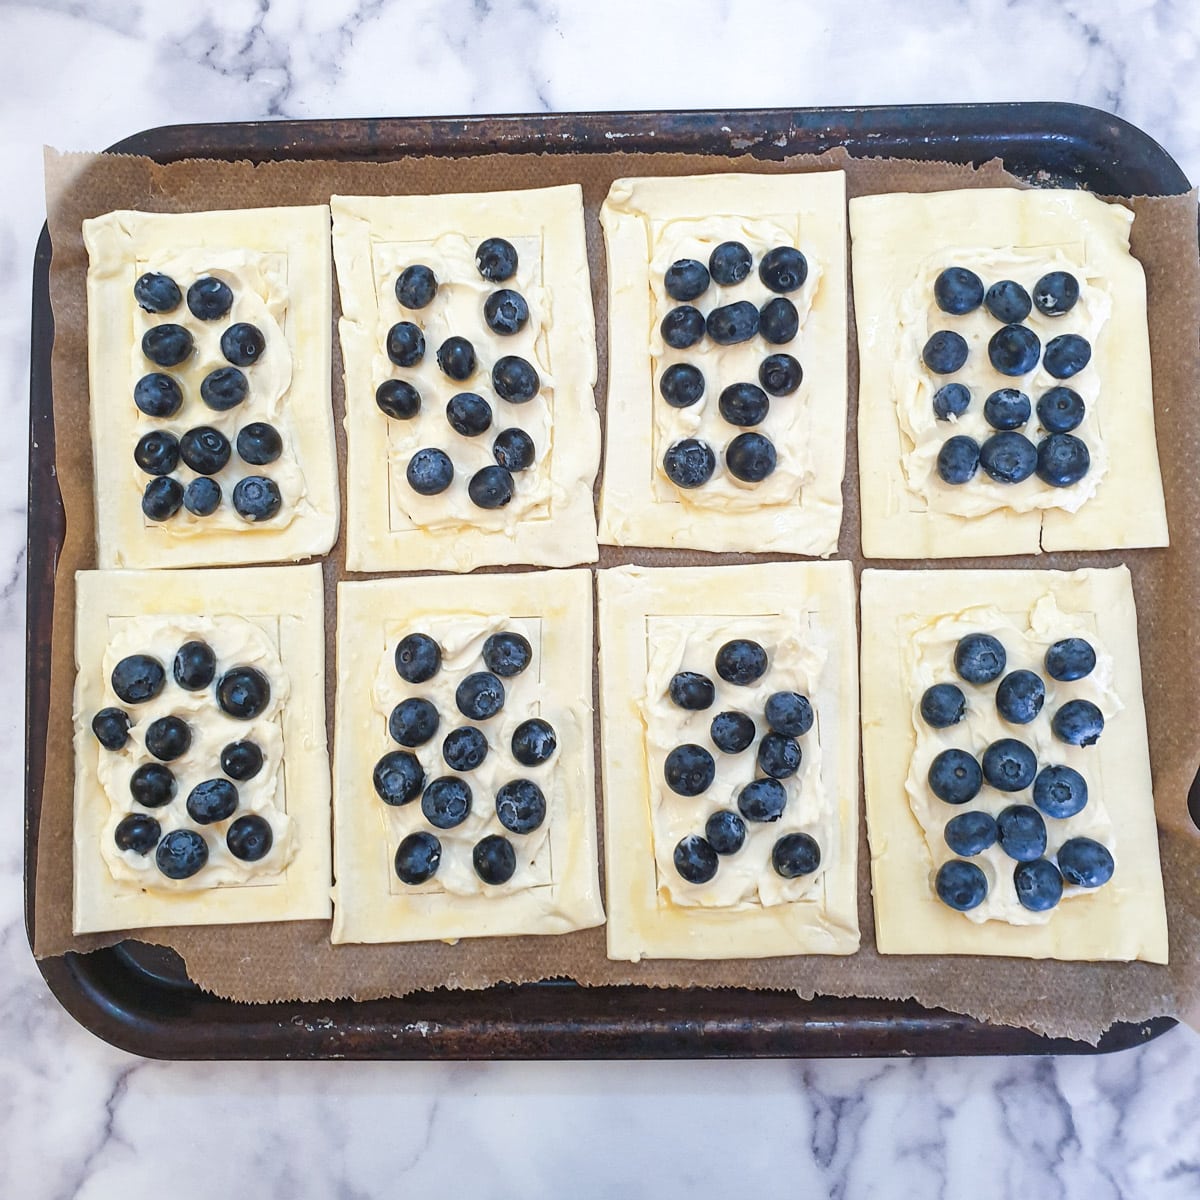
(79, 1119)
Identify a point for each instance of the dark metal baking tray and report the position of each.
(139, 998)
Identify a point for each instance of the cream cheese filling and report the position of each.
(1026, 636)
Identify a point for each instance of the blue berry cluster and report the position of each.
(1010, 766)
(515, 380)
(446, 800)
(204, 450)
(1059, 459)
(690, 769)
(241, 693)
(750, 456)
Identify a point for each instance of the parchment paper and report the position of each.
(296, 961)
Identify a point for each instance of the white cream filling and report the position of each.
(1025, 638)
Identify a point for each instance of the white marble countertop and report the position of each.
(78, 1118)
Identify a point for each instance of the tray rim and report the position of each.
(89, 986)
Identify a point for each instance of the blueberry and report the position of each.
(157, 293)
(413, 721)
(398, 778)
(732, 732)
(211, 801)
(789, 713)
(783, 269)
(689, 770)
(744, 404)
(167, 345)
(1060, 410)
(958, 459)
(1056, 293)
(137, 832)
(689, 463)
(1008, 457)
(152, 785)
(111, 727)
(418, 857)
(514, 379)
(945, 352)
(513, 449)
(479, 696)
(951, 400)
(505, 312)
(249, 838)
(691, 690)
(1009, 765)
(683, 326)
(405, 344)
(685, 279)
(429, 471)
(195, 665)
(979, 658)
(1078, 723)
(1021, 832)
(469, 414)
(1014, 350)
(1060, 792)
(681, 385)
(243, 693)
(779, 756)
(464, 749)
(202, 496)
(534, 742)
(259, 443)
(943, 705)
(1020, 697)
(520, 806)
(507, 654)
(224, 388)
(725, 831)
(243, 344)
(256, 498)
(205, 449)
(780, 374)
(729, 263)
(778, 321)
(181, 854)
(446, 802)
(456, 358)
(1085, 863)
(157, 452)
(695, 859)
(960, 885)
(732, 323)
(1038, 883)
(494, 859)
(1007, 408)
(1070, 659)
(741, 662)
(418, 658)
(1062, 459)
(209, 298)
(762, 800)
(491, 487)
(1008, 302)
(957, 291)
(416, 286)
(138, 678)
(158, 395)
(241, 760)
(750, 457)
(970, 833)
(496, 259)
(795, 854)
(955, 777)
